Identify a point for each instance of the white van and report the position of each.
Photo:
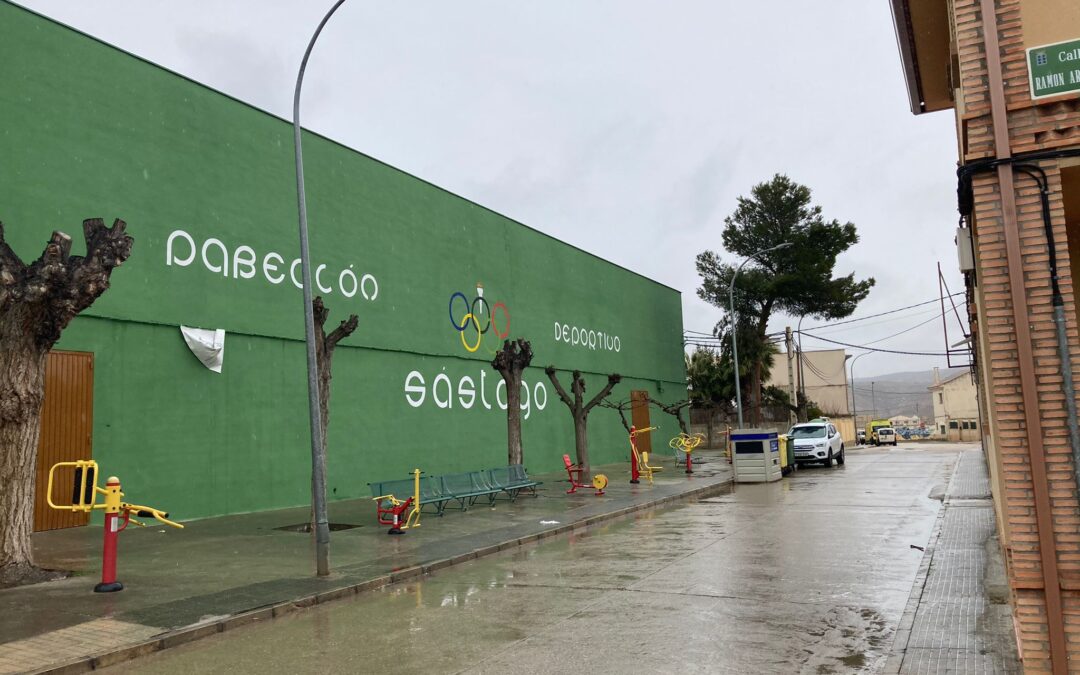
(886, 436)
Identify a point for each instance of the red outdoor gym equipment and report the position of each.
(576, 472)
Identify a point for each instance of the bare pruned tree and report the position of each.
(621, 407)
(675, 410)
(511, 361)
(579, 409)
(324, 354)
(37, 301)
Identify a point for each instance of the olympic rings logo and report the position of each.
(477, 316)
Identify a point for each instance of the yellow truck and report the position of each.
(871, 431)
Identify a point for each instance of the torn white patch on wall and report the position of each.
(207, 345)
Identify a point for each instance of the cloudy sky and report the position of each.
(624, 127)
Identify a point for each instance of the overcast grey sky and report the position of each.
(625, 127)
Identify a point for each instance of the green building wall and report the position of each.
(90, 131)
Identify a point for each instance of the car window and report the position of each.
(815, 431)
(832, 430)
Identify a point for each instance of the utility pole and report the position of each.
(789, 347)
(801, 402)
(873, 401)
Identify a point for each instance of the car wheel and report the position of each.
(840, 458)
(828, 460)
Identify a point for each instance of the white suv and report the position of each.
(817, 442)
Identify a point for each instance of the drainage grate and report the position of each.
(305, 528)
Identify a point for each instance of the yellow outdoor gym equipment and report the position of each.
(84, 495)
(389, 509)
(639, 461)
(686, 443)
(84, 499)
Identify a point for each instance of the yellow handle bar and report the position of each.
(147, 511)
(394, 500)
(83, 464)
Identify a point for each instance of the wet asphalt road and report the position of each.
(809, 575)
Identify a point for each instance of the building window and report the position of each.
(973, 425)
(942, 428)
(964, 425)
(940, 397)
(954, 424)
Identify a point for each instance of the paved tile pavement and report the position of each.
(954, 626)
(70, 643)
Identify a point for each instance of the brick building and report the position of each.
(1010, 71)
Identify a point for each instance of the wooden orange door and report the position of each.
(639, 417)
(67, 423)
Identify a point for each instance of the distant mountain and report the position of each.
(898, 393)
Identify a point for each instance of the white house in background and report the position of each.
(956, 408)
(826, 378)
(905, 421)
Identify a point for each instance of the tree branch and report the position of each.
(12, 268)
(612, 380)
(515, 355)
(344, 330)
(621, 407)
(551, 373)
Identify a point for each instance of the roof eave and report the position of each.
(906, 43)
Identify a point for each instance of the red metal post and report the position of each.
(689, 463)
(109, 584)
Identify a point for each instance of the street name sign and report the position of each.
(1054, 69)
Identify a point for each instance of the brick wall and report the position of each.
(1049, 124)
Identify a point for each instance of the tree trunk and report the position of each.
(755, 394)
(711, 412)
(324, 356)
(514, 455)
(37, 301)
(22, 390)
(581, 441)
(510, 362)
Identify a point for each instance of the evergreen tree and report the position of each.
(797, 280)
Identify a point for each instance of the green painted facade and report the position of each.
(206, 185)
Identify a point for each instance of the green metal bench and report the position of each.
(430, 491)
(511, 479)
(466, 488)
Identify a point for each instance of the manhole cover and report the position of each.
(306, 527)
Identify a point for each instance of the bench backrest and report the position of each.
(462, 484)
(499, 477)
(402, 489)
(566, 461)
(518, 474)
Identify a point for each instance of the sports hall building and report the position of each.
(206, 185)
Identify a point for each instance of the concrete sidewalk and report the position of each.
(958, 618)
(224, 572)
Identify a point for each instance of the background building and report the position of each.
(822, 375)
(1010, 70)
(956, 408)
(206, 184)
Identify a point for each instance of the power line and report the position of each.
(837, 323)
(908, 330)
(891, 393)
(874, 316)
(878, 349)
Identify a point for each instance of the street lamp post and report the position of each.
(854, 410)
(735, 323)
(318, 464)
